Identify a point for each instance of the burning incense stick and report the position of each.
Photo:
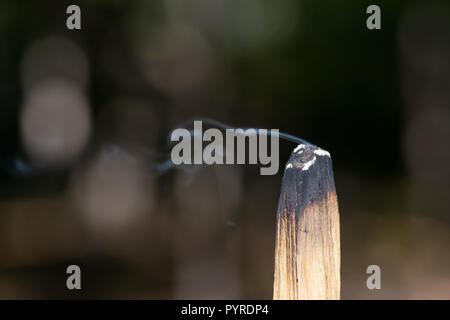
(307, 252)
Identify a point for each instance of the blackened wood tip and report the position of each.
(307, 251)
(308, 178)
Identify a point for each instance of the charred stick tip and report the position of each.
(307, 253)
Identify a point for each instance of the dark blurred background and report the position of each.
(85, 115)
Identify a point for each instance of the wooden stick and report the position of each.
(307, 251)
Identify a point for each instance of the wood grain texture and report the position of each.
(307, 251)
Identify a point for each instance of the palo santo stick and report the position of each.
(307, 251)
